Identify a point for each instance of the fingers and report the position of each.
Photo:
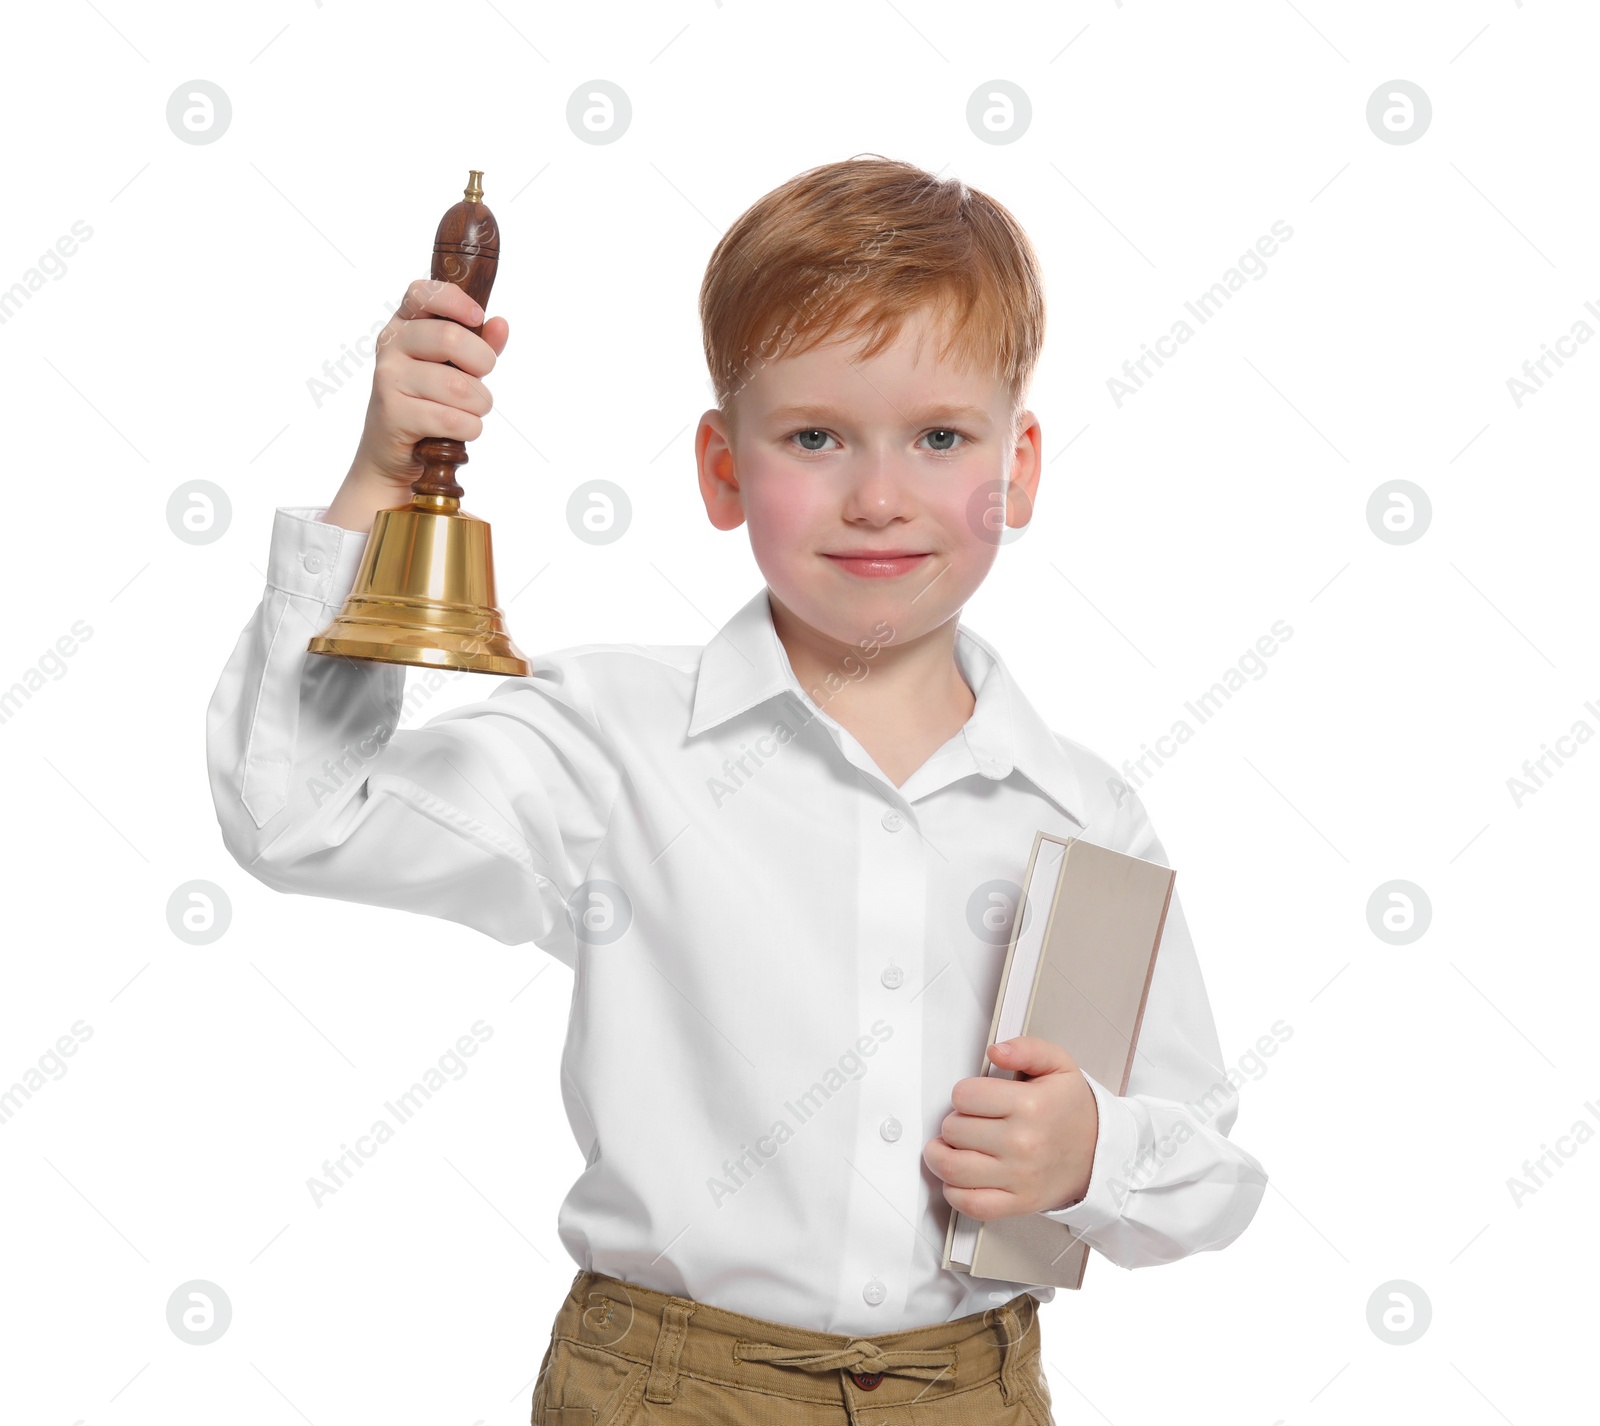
(431, 325)
(409, 419)
(434, 381)
(433, 340)
(984, 1204)
(428, 368)
(425, 297)
(987, 1136)
(967, 1168)
(426, 380)
(990, 1094)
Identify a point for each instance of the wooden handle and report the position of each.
(466, 251)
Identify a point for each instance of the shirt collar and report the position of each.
(745, 664)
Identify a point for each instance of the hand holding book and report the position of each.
(1014, 1146)
(1078, 971)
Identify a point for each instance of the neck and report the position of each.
(890, 683)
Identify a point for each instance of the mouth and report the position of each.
(878, 564)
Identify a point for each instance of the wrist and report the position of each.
(361, 495)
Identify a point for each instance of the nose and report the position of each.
(880, 488)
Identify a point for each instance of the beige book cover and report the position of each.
(1077, 973)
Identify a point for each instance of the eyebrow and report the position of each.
(921, 416)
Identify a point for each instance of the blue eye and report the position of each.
(944, 440)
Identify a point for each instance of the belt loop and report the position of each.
(663, 1384)
(1012, 1343)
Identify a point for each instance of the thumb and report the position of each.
(496, 331)
(1031, 1055)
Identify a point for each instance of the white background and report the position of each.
(1170, 533)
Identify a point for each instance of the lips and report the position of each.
(878, 564)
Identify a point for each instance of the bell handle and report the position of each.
(466, 251)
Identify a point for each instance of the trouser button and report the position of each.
(866, 1380)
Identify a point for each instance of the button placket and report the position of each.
(884, 1196)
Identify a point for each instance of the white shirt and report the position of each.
(765, 1032)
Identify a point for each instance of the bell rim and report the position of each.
(511, 662)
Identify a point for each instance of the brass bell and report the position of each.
(424, 593)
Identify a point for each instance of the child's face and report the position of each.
(901, 452)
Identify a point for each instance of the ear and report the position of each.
(719, 484)
(1026, 468)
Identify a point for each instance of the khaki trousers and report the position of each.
(625, 1355)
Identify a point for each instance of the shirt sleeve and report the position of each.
(1166, 1180)
(488, 815)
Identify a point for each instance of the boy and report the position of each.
(768, 861)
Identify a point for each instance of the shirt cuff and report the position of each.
(1116, 1143)
(309, 557)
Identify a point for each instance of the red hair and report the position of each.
(851, 249)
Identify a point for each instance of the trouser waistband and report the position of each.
(673, 1336)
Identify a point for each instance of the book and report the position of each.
(1077, 972)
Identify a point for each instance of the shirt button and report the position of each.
(892, 976)
(890, 1128)
(313, 561)
(874, 1292)
(893, 820)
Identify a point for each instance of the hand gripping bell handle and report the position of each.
(466, 251)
